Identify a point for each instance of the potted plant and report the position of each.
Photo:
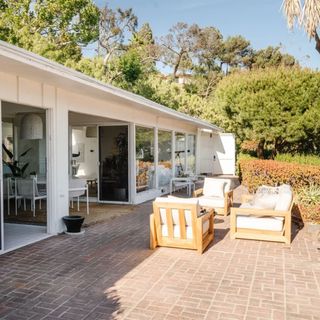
(17, 169)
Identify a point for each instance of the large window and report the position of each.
(144, 159)
(191, 154)
(180, 154)
(164, 158)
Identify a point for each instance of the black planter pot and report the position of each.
(73, 223)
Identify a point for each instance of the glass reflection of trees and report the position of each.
(180, 156)
(144, 158)
(191, 154)
(164, 157)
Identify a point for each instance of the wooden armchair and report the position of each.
(215, 194)
(179, 223)
(272, 224)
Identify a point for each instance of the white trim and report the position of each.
(156, 158)
(132, 162)
(98, 185)
(49, 171)
(53, 68)
(173, 152)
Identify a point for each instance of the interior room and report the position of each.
(24, 174)
(99, 157)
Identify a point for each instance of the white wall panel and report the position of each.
(30, 92)
(8, 87)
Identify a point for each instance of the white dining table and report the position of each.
(182, 181)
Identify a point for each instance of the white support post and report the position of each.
(132, 163)
(198, 151)
(156, 158)
(173, 153)
(58, 163)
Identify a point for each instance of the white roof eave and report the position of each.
(27, 57)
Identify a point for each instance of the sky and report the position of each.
(259, 21)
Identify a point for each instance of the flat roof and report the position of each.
(12, 55)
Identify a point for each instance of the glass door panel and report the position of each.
(113, 158)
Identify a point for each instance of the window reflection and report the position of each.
(144, 159)
(180, 156)
(191, 154)
(164, 158)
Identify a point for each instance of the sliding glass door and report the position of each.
(113, 159)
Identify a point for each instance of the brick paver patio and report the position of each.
(109, 273)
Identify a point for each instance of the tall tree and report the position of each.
(114, 25)
(307, 13)
(272, 57)
(56, 29)
(144, 44)
(236, 53)
(178, 46)
(258, 105)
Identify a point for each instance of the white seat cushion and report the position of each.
(260, 223)
(211, 202)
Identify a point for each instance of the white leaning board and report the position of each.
(217, 153)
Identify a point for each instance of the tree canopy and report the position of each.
(260, 94)
(278, 108)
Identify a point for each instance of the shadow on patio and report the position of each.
(110, 273)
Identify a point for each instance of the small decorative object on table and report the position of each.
(73, 224)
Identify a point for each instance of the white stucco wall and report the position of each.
(58, 102)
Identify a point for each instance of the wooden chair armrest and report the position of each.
(197, 192)
(246, 198)
(259, 212)
(206, 216)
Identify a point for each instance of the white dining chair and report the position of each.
(28, 189)
(77, 188)
(8, 192)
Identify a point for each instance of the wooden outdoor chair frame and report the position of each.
(199, 240)
(278, 236)
(228, 201)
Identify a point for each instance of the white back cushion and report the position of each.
(265, 201)
(214, 187)
(285, 198)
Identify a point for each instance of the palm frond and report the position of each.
(311, 16)
(292, 10)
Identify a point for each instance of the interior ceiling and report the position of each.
(10, 110)
(80, 119)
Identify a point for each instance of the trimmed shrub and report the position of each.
(304, 179)
(254, 173)
(300, 159)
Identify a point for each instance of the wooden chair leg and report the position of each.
(153, 236)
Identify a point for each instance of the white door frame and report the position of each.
(129, 162)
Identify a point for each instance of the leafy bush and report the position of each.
(301, 159)
(308, 199)
(257, 172)
(304, 179)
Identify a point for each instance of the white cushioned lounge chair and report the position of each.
(179, 223)
(216, 194)
(264, 216)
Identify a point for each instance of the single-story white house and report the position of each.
(127, 147)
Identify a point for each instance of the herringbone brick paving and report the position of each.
(109, 273)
